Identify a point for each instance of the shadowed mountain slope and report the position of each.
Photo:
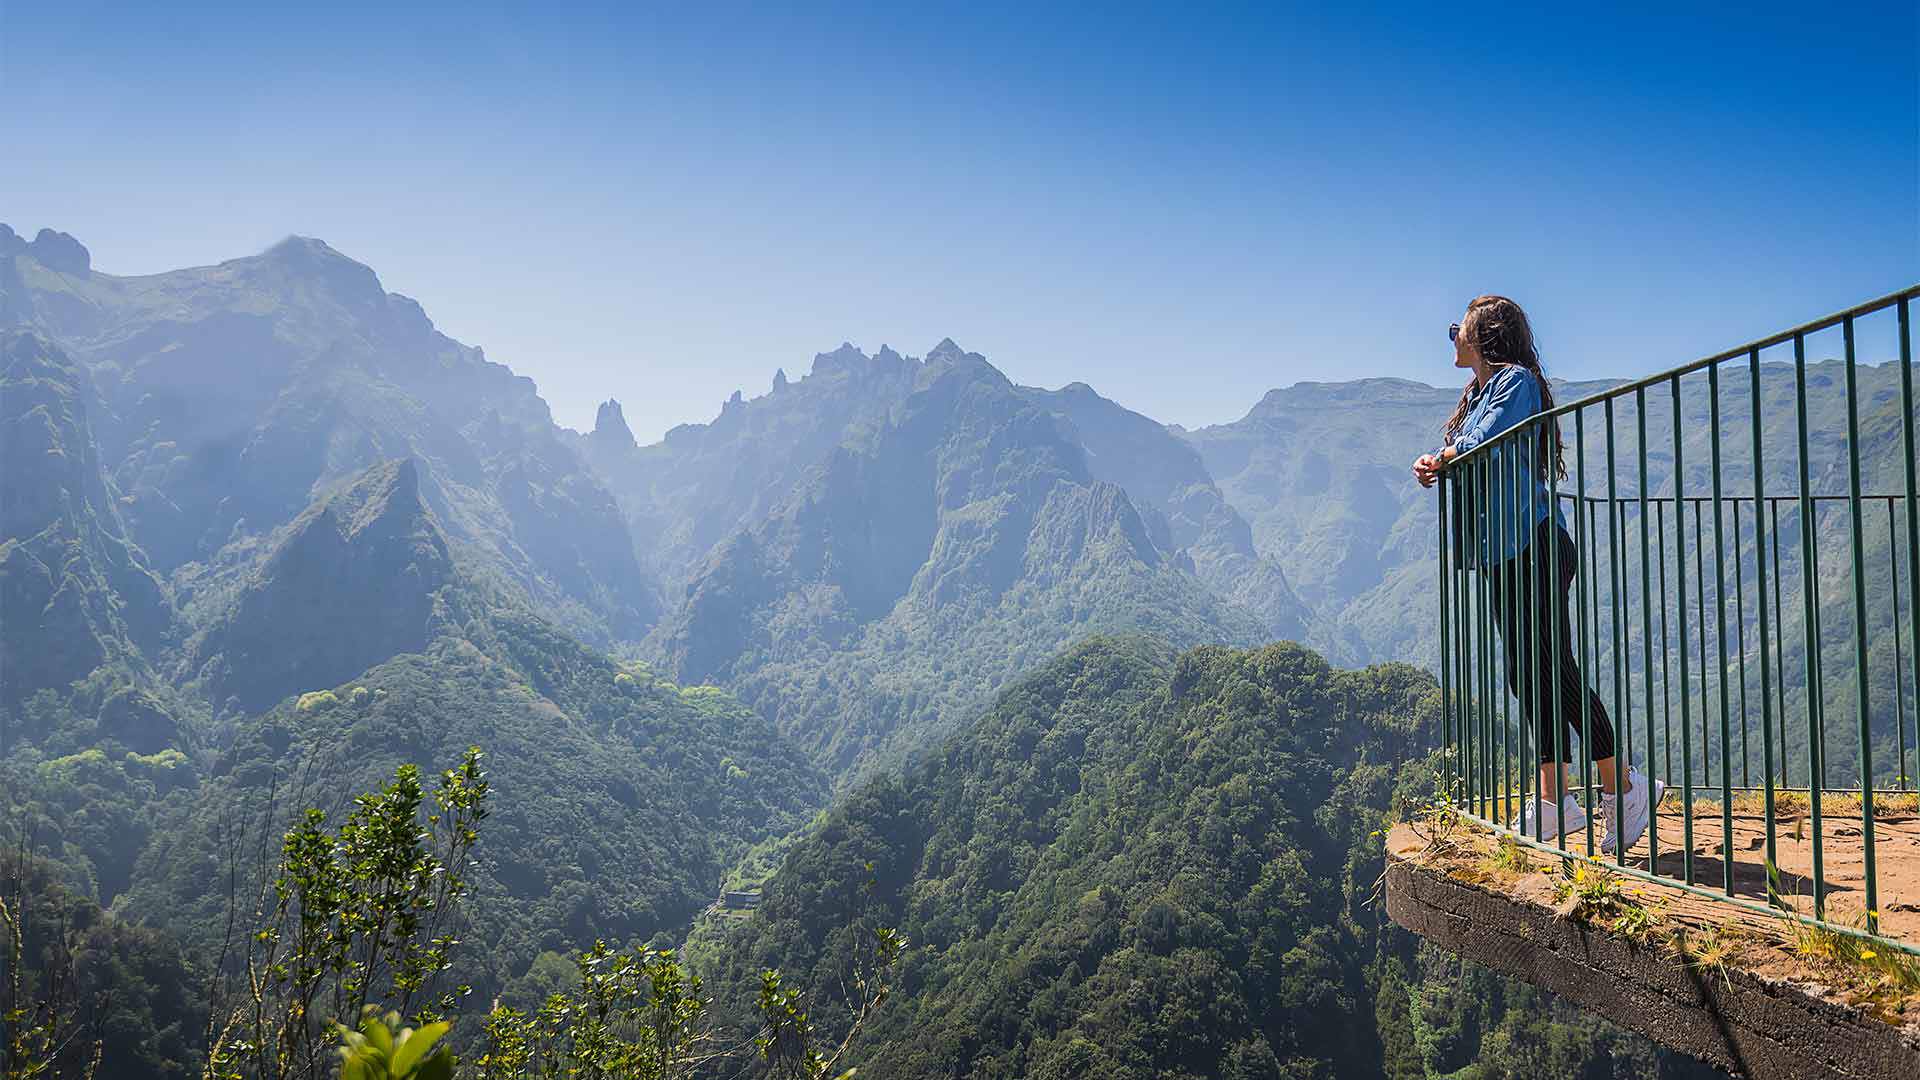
(352, 581)
(75, 593)
(233, 394)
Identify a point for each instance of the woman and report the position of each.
(1507, 388)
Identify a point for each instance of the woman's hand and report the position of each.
(1426, 469)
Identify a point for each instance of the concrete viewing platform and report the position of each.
(1750, 991)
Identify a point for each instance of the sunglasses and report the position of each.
(1453, 331)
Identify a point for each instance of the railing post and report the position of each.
(1531, 605)
(1913, 523)
(1700, 617)
(1622, 717)
(1666, 646)
(1760, 584)
(1581, 542)
(1899, 670)
(1810, 629)
(1446, 655)
(1680, 610)
(1646, 618)
(1502, 591)
(1554, 679)
(1720, 634)
(1863, 692)
(1740, 646)
(1485, 674)
(1463, 720)
(1779, 640)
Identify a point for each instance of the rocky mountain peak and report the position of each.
(845, 358)
(310, 259)
(610, 428)
(946, 350)
(50, 248)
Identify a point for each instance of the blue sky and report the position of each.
(1182, 207)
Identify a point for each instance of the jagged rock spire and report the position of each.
(610, 427)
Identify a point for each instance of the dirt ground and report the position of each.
(1896, 843)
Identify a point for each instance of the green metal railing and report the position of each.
(1747, 573)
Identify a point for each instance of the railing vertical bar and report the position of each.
(1680, 574)
(1913, 524)
(1666, 646)
(1760, 601)
(1446, 654)
(1646, 616)
(1532, 681)
(1622, 583)
(1899, 668)
(1720, 632)
(1469, 587)
(1509, 650)
(1469, 632)
(1486, 639)
(1622, 755)
(1581, 544)
(1558, 648)
(1700, 615)
(1779, 640)
(1463, 664)
(1863, 695)
(1740, 641)
(1810, 629)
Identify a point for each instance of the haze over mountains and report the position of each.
(863, 554)
(268, 534)
(852, 512)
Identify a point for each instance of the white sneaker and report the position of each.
(1635, 814)
(1568, 811)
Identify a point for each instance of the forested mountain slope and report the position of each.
(621, 797)
(157, 730)
(1142, 865)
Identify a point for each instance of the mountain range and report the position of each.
(268, 533)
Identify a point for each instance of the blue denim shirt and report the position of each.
(1516, 495)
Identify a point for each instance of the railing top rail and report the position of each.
(1824, 322)
(1794, 497)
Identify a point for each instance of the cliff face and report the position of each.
(75, 593)
(1170, 482)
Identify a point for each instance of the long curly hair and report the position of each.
(1499, 329)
